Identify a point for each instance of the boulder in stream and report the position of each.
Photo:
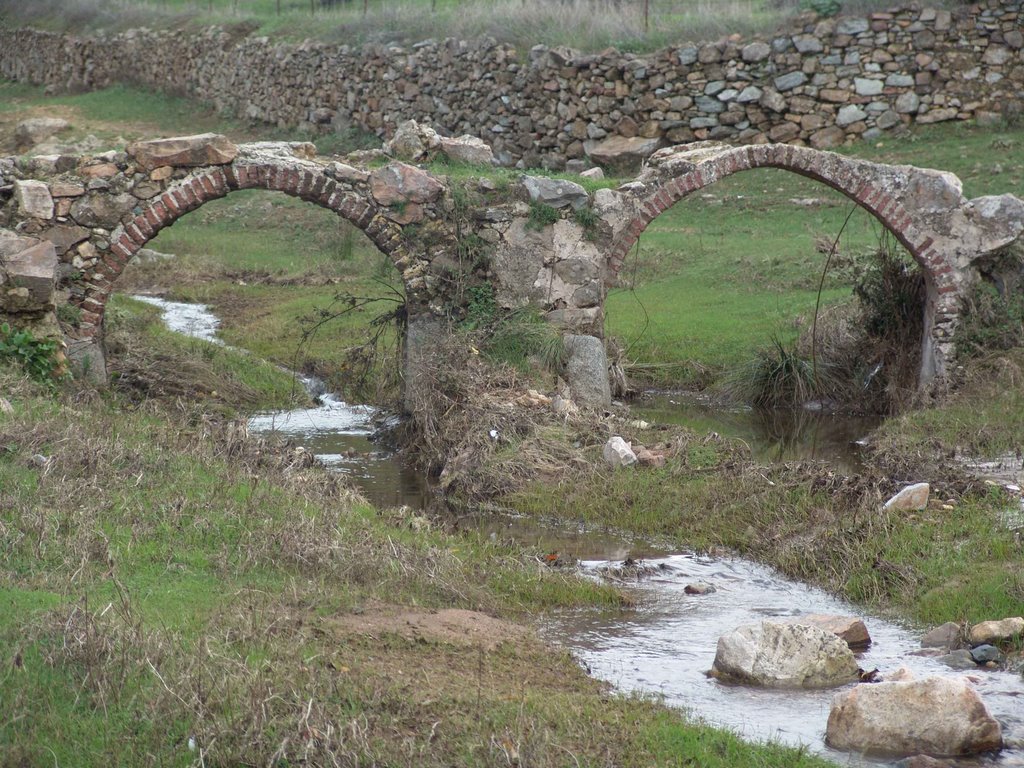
(938, 716)
(947, 635)
(847, 628)
(779, 655)
(995, 632)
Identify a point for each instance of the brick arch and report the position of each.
(863, 182)
(303, 181)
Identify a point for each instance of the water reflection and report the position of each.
(773, 434)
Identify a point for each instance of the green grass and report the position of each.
(123, 113)
(952, 563)
(579, 24)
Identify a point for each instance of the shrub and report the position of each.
(777, 376)
(864, 355)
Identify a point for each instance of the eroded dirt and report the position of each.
(451, 626)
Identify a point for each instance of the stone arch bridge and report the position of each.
(70, 225)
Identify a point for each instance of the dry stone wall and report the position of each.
(823, 83)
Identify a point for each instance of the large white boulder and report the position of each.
(849, 629)
(619, 453)
(937, 716)
(31, 132)
(912, 497)
(778, 655)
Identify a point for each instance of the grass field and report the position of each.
(633, 25)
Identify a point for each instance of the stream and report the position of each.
(666, 646)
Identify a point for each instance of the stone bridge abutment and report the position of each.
(70, 226)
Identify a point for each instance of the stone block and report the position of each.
(398, 183)
(850, 114)
(29, 266)
(586, 370)
(789, 81)
(34, 199)
(622, 154)
(191, 151)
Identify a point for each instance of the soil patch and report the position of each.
(452, 626)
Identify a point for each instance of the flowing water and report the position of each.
(667, 644)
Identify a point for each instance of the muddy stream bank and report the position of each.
(666, 646)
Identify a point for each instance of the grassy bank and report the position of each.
(147, 360)
(175, 594)
(583, 24)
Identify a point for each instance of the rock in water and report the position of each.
(777, 655)
(995, 632)
(847, 628)
(986, 653)
(937, 716)
(912, 497)
(699, 588)
(945, 636)
(619, 453)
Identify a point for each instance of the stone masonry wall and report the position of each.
(824, 83)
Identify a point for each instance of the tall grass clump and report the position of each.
(863, 355)
(778, 376)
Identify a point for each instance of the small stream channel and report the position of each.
(667, 644)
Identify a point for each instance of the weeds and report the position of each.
(518, 337)
(590, 222)
(864, 357)
(541, 215)
(42, 359)
(777, 377)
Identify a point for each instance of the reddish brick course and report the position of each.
(193, 191)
